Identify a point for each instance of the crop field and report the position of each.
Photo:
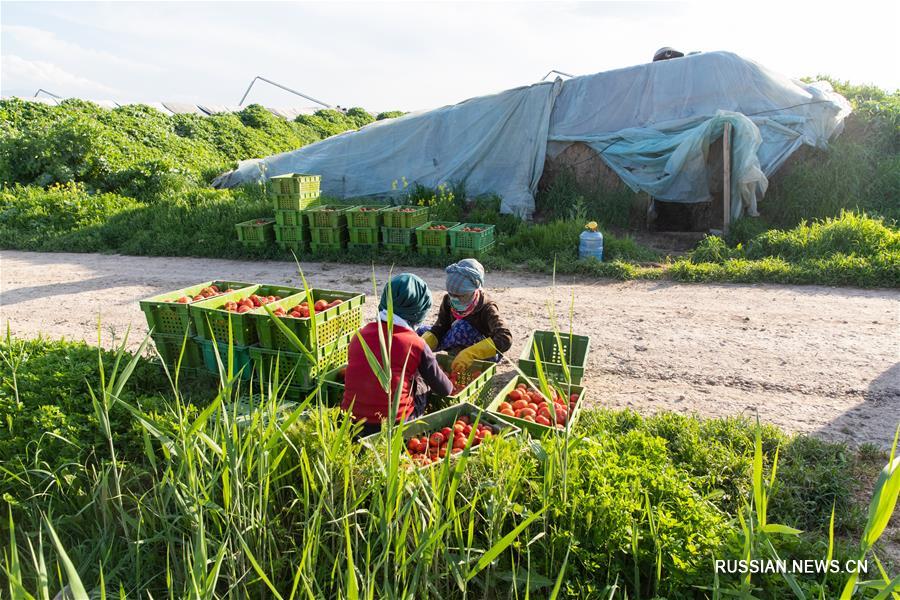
(737, 402)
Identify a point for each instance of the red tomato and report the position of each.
(459, 443)
(447, 433)
(503, 406)
(183, 300)
(525, 412)
(561, 416)
(467, 429)
(243, 309)
(413, 446)
(508, 412)
(519, 405)
(528, 418)
(521, 386)
(320, 305)
(436, 439)
(515, 395)
(573, 398)
(465, 419)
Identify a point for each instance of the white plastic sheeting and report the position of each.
(495, 143)
(651, 123)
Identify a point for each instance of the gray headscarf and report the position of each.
(465, 277)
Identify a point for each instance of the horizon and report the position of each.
(398, 56)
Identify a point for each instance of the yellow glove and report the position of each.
(430, 339)
(481, 351)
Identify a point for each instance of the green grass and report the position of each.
(221, 510)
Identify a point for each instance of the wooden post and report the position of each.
(726, 178)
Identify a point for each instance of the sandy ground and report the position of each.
(807, 359)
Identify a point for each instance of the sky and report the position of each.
(410, 56)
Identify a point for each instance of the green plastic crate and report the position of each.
(169, 349)
(433, 241)
(211, 322)
(296, 368)
(366, 216)
(297, 247)
(446, 418)
(477, 387)
(364, 237)
(469, 253)
(258, 232)
(574, 348)
(164, 315)
(295, 202)
(240, 357)
(468, 243)
(294, 183)
(404, 217)
(326, 236)
(330, 325)
(289, 218)
(327, 216)
(398, 239)
(333, 386)
(537, 429)
(292, 234)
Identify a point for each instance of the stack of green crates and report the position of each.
(399, 230)
(172, 328)
(363, 224)
(215, 328)
(327, 227)
(325, 337)
(291, 195)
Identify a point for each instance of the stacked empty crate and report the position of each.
(399, 230)
(291, 195)
(327, 227)
(363, 224)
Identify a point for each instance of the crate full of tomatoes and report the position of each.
(317, 319)
(228, 316)
(168, 313)
(533, 410)
(446, 434)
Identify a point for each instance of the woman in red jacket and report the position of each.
(414, 369)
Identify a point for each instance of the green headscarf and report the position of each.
(411, 298)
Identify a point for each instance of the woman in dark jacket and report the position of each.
(468, 323)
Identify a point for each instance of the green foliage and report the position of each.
(860, 170)
(851, 249)
(329, 122)
(390, 114)
(138, 151)
(641, 503)
(565, 198)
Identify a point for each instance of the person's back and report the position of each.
(363, 391)
(364, 396)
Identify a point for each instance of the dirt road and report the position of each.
(808, 359)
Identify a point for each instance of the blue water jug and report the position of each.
(590, 243)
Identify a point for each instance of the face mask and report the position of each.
(458, 305)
